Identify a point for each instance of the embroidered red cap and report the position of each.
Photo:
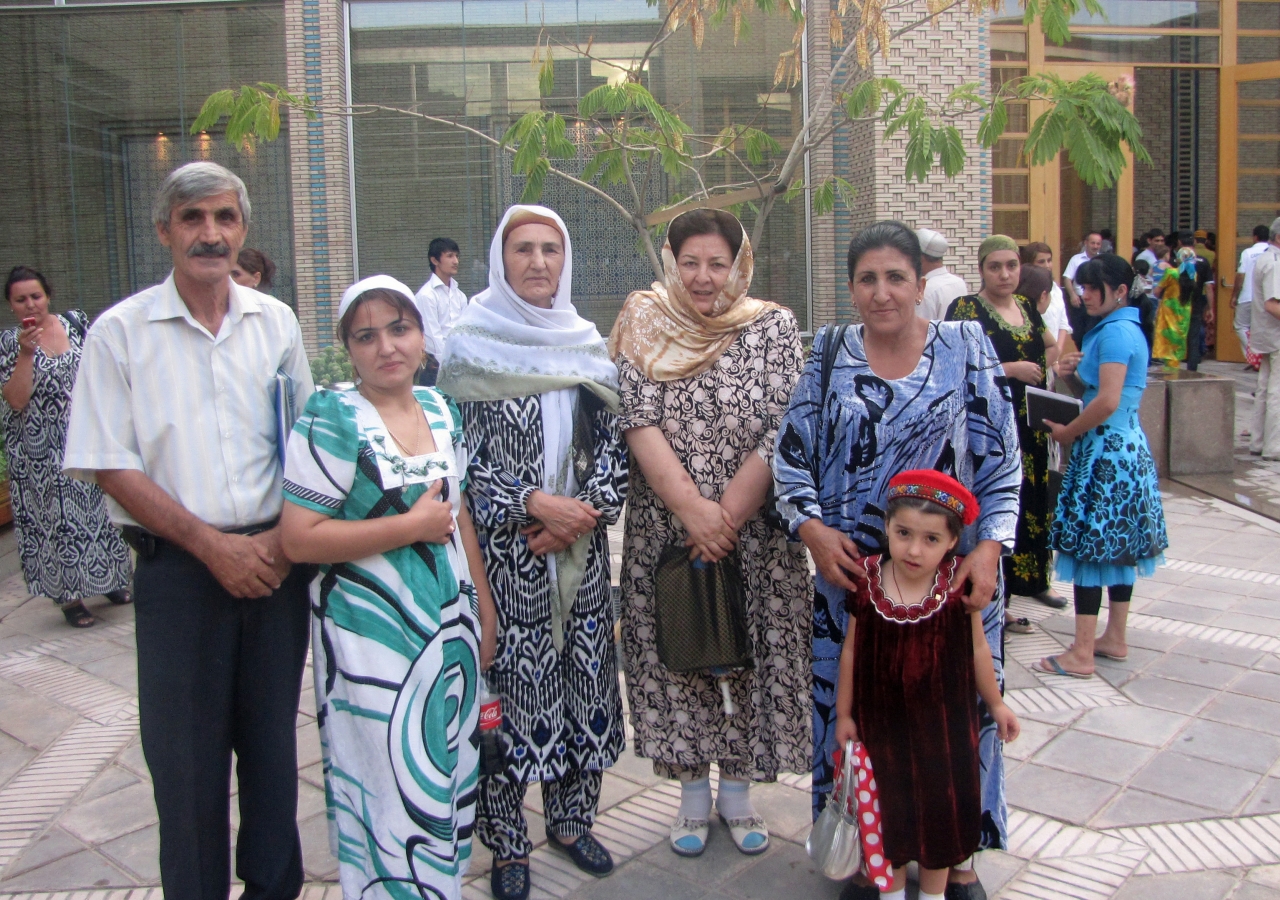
(937, 487)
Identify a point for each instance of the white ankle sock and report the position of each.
(900, 894)
(733, 800)
(924, 896)
(695, 798)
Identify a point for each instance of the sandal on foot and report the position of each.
(122, 597)
(1054, 668)
(750, 834)
(510, 882)
(1049, 598)
(77, 616)
(971, 891)
(1020, 625)
(587, 854)
(1111, 656)
(689, 836)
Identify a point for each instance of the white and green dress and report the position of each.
(395, 643)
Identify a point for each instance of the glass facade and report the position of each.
(471, 60)
(99, 102)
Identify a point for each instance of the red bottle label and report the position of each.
(491, 714)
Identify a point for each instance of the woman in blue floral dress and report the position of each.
(1110, 525)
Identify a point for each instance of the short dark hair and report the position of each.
(438, 248)
(1142, 267)
(705, 221)
(920, 504)
(394, 298)
(1105, 270)
(1186, 239)
(1261, 233)
(1105, 234)
(26, 273)
(1153, 233)
(890, 235)
(1033, 282)
(1089, 234)
(1027, 255)
(258, 263)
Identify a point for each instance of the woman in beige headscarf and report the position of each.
(706, 373)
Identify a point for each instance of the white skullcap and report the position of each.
(932, 243)
(367, 284)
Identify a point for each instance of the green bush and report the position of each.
(330, 366)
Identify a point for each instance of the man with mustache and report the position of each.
(174, 416)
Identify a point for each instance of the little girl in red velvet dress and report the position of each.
(913, 664)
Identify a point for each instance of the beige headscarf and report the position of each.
(661, 331)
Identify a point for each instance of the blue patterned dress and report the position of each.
(1110, 522)
(835, 457)
(395, 641)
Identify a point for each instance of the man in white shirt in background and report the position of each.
(1264, 335)
(1242, 295)
(440, 300)
(174, 416)
(1080, 319)
(941, 287)
(1038, 253)
(1155, 246)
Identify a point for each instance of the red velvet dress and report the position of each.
(915, 702)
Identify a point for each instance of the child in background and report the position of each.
(913, 664)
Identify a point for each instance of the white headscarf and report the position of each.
(504, 347)
(386, 282)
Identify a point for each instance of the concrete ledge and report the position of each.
(1200, 423)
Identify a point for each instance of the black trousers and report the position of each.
(216, 675)
(1195, 335)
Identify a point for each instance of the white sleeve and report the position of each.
(100, 433)
(432, 339)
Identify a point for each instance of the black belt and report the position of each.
(148, 545)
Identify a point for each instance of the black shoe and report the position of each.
(510, 882)
(1049, 598)
(861, 890)
(973, 891)
(587, 854)
(77, 615)
(122, 597)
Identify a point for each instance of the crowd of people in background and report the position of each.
(437, 530)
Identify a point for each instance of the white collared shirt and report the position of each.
(1248, 259)
(440, 304)
(1073, 265)
(195, 412)
(941, 287)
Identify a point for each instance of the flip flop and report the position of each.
(1020, 625)
(1055, 669)
(1110, 656)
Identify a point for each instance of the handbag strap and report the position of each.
(846, 780)
(830, 348)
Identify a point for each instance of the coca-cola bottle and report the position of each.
(493, 759)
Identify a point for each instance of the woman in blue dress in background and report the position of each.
(904, 393)
(1110, 523)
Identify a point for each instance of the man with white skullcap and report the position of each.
(175, 416)
(940, 286)
(1264, 339)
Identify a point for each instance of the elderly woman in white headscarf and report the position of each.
(539, 400)
(706, 374)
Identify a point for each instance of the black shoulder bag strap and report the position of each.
(830, 348)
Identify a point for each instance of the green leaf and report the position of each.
(537, 178)
(864, 100)
(215, 107)
(547, 75)
(949, 146)
(757, 144)
(794, 190)
(558, 146)
(824, 198)
(845, 191)
(993, 123)
(919, 148)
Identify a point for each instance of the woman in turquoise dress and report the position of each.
(374, 476)
(1110, 523)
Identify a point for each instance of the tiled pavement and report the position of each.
(1159, 779)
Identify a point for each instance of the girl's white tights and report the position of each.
(695, 798)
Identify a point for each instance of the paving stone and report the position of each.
(638, 879)
(113, 778)
(720, 862)
(1150, 640)
(1189, 886)
(785, 870)
(1018, 676)
(1250, 624)
(116, 814)
(1236, 656)
(132, 758)
(85, 869)
(1060, 795)
(310, 801)
(313, 775)
(54, 844)
(1229, 745)
(1266, 799)
(120, 669)
(1268, 663)
(1203, 672)
(30, 718)
(13, 756)
(1267, 876)
(1034, 736)
(1139, 725)
(995, 868)
(1267, 607)
(1247, 712)
(1164, 693)
(308, 745)
(787, 811)
(1199, 781)
(1095, 756)
(1135, 807)
(1256, 892)
(1205, 598)
(1183, 612)
(633, 768)
(1263, 685)
(316, 858)
(138, 853)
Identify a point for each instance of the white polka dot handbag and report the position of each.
(847, 838)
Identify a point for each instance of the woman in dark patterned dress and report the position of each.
(706, 374)
(68, 546)
(539, 400)
(1018, 333)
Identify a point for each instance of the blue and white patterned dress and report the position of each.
(953, 413)
(395, 642)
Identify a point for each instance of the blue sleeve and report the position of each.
(796, 456)
(1115, 344)
(993, 440)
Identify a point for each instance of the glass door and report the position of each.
(1249, 176)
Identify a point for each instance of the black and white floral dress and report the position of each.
(68, 546)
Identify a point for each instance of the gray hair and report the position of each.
(195, 181)
(1275, 228)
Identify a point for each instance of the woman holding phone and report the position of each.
(68, 546)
